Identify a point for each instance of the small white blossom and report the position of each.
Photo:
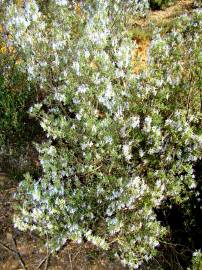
(108, 139)
(82, 89)
(61, 2)
(127, 152)
(135, 121)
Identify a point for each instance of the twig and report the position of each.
(76, 254)
(7, 247)
(18, 254)
(174, 245)
(70, 260)
(47, 261)
(48, 253)
(42, 262)
(189, 96)
(188, 102)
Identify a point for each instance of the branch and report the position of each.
(18, 255)
(15, 252)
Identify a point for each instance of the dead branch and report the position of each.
(18, 255)
(15, 252)
(44, 260)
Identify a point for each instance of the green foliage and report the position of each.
(117, 144)
(13, 110)
(196, 260)
(16, 96)
(139, 33)
(17, 128)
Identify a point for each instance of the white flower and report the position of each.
(168, 158)
(147, 125)
(123, 132)
(148, 120)
(30, 70)
(127, 151)
(197, 252)
(51, 150)
(109, 93)
(76, 67)
(168, 122)
(141, 153)
(61, 2)
(78, 116)
(82, 89)
(108, 139)
(119, 113)
(86, 53)
(135, 121)
(85, 145)
(94, 129)
(58, 96)
(36, 193)
(32, 10)
(76, 101)
(119, 73)
(193, 185)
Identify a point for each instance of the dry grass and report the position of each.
(176, 10)
(141, 30)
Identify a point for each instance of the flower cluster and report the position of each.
(196, 260)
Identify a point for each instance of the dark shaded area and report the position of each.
(160, 4)
(185, 225)
(18, 129)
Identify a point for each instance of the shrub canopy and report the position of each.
(118, 144)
